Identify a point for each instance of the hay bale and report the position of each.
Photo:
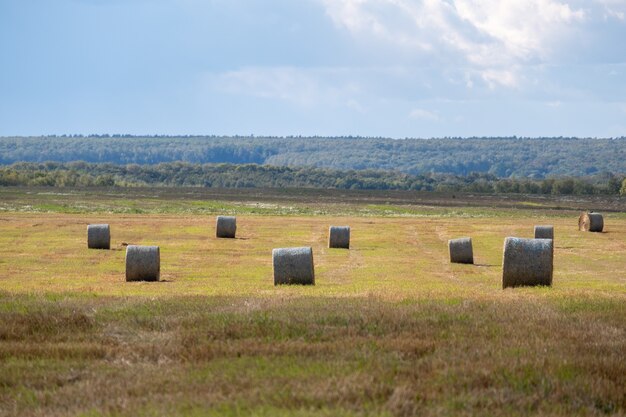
(143, 263)
(544, 232)
(293, 266)
(461, 250)
(339, 237)
(98, 236)
(527, 262)
(226, 227)
(590, 222)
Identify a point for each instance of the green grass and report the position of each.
(389, 329)
(291, 202)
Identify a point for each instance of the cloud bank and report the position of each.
(369, 67)
(493, 36)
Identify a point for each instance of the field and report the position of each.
(391, 328)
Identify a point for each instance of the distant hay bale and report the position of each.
(339, 237)
(461, 250)
(226, 227)
(143, 263)
(544, 232)
(98, 236)
(590, 222)
(527, 262)
(293, 266)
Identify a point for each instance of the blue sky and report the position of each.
(393, 68)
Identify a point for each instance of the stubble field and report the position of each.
(390, 328)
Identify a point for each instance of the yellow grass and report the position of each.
(391, 258)
(390, 328)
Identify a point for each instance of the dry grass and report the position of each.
(391, 328)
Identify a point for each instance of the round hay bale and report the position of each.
(226, 227)
(98, 236)
(143, 263)
(590, 222)
(339, 237)
(527, 262)
(461, 250)
(544, 232)
(293, 266)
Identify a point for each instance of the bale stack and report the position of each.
(98, 236)
(544, 232)
(226, 227)
(143, 263)
(527, 262)
(293, 266)
(339, 237)
(591, 222)
(461, 250)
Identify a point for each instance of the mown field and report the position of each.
(389, 329)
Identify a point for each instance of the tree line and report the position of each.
(507, 157)
(182, 174)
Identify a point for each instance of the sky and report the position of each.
(391, 68)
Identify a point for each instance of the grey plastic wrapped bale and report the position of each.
(98, 236)
(339, 237)
(527, 262)
(293, 266)
(143, 263)
(226, 227)
(461, 250)
(544, 232)
(590, 222)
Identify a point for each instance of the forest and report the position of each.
(511, 158)
(177, 174)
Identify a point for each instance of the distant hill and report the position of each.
(502, 157)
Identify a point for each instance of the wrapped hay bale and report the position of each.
(293, 266)
(226, 227)
(544, 232)
(461, 250)
(527, 262)
(143, 263)
(590, 222)
(339, 237)
(98, 236)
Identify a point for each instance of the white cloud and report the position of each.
(493, 36)
(276, 83)
(523, 30)
(411, 90)
(423, 115)
(616, 14)
(495, 78)
(304, 87)
(301, 87)
(613, 9)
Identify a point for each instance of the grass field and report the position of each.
(389, 329)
